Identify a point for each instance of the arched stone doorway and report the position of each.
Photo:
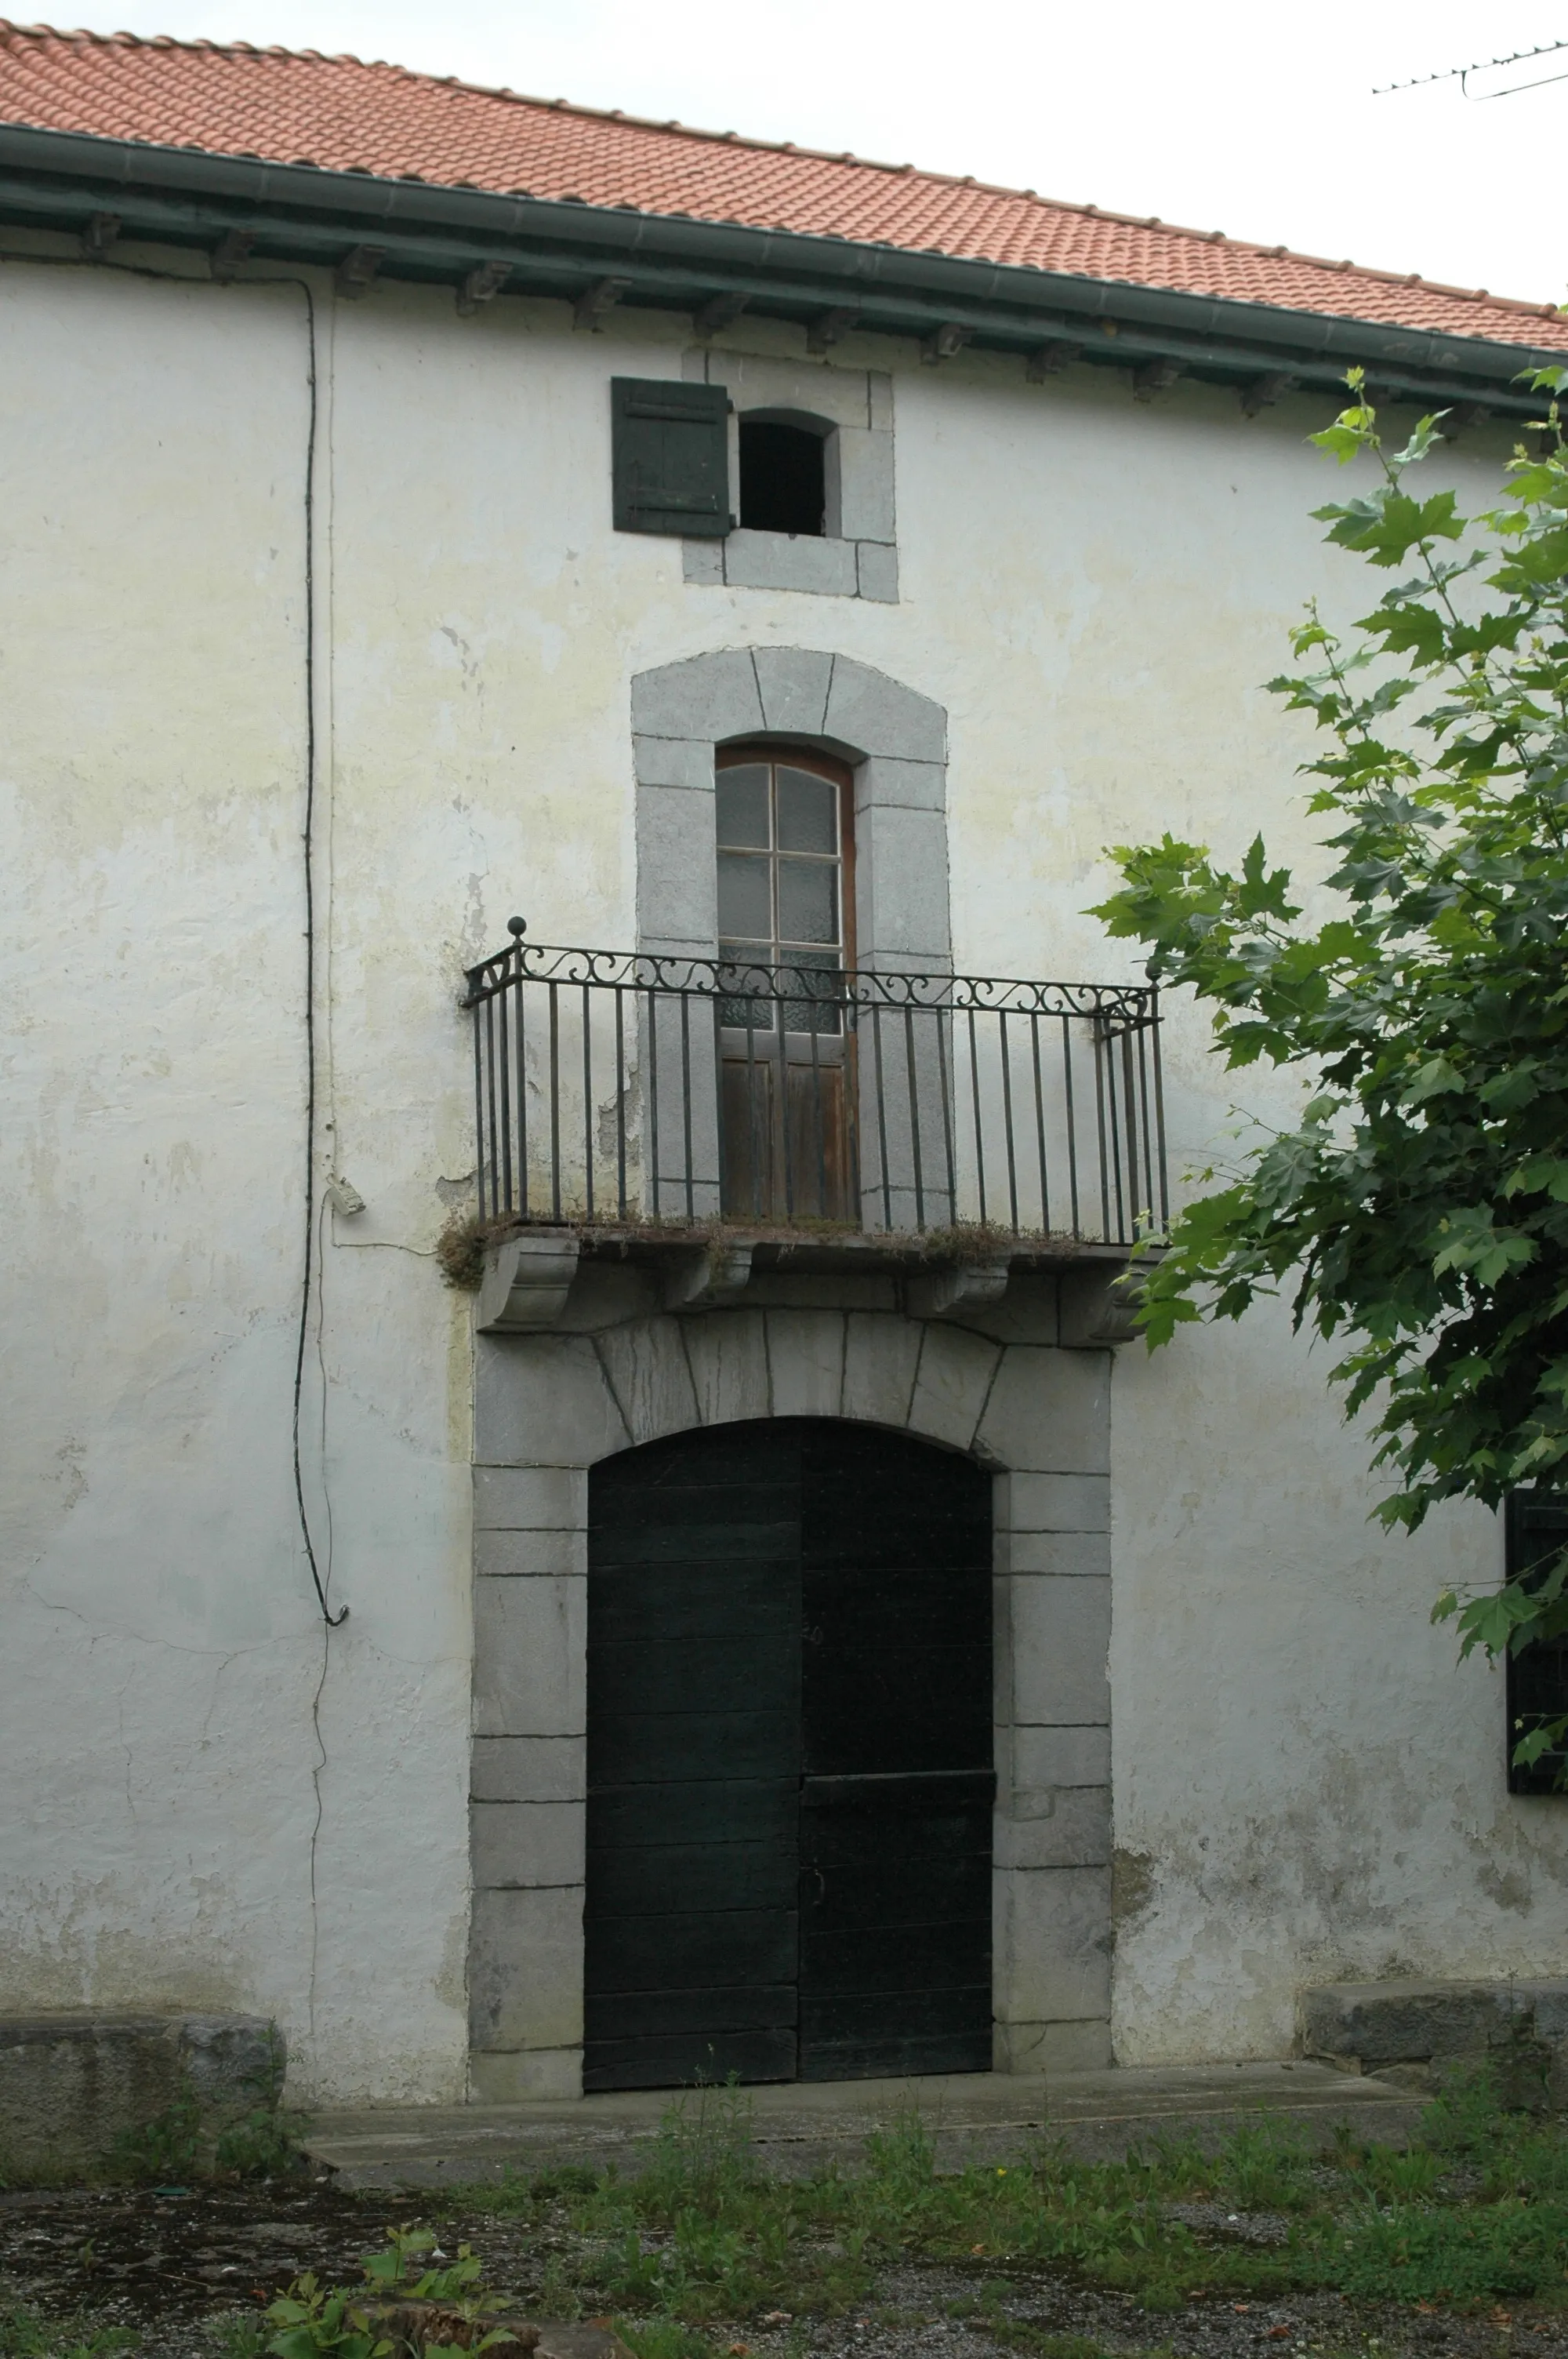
(790, 1780)
(550, 1408)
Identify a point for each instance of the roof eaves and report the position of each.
(672, 128)
(69, 173)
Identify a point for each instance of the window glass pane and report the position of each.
(743, 804)
(808, 901)
(808, 813)
(753, 1002)
(821, 1010)
(743, 896)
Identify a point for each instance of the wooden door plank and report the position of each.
(757, 1673)
(908, 1956)
(668, 1748)
(680, 2014)
(753, 1810)
(894, 2055)
(692, 1600)
(682, 1533)
(816, 1132)
(644, 1880)
(895, 1821)
(692, 1952)
(921, 2013)
(664, 2063)
(693, 1762)
(929, 1881)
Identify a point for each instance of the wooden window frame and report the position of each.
(840, 774)
(788, 1110)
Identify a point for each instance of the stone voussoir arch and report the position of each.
(894, 737)
(674, 1375)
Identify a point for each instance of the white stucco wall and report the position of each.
(1093, 589)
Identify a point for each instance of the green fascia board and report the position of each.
(298, 213)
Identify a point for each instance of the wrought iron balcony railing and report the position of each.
(621, 1086)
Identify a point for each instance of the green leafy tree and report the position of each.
(1417, 1212)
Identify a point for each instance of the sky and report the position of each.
(1234, 115)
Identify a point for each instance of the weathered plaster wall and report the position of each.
(171, 1700)
(1092, 590)
(1341, 1809)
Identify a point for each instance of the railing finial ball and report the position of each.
(517, 927)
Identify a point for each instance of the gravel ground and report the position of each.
(171, 2264)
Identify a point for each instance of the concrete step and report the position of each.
(75, 2081)
(801, 2127)
(1421, 2034)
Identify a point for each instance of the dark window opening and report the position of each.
(783, 478)
(1536, 1529)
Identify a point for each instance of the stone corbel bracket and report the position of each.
(715, 1274)
(526, 1283)
(963, 1287)
(1094, 1308)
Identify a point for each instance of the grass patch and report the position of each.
(25, 2333)
(701, 2237)
(663, 2338)
(237, 2337)
(1474, 2212)
(701, 2246)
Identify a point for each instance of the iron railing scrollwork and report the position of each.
(622, 1086)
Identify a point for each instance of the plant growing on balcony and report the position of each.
(1418, 1209)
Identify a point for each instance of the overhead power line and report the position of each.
(1461, 74)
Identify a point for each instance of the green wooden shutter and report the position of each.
(671, 457)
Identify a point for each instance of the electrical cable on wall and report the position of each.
(333, 1621)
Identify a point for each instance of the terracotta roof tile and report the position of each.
(336, 113)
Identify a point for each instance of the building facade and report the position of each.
(789, 1625)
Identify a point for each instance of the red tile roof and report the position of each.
(291, 107)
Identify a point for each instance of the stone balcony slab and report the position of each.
(588, 1278)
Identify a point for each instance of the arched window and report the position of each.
(785, 901)
(784, 822)
(783, 472)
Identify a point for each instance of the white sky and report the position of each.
(1234, 114)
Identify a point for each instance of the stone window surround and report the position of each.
(894, 739)
(549, 1407)
(858, 556)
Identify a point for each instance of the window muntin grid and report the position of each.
(781, 882)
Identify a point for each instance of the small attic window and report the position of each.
(783, 474)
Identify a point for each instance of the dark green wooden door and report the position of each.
(895, 1826)
(789, 1758)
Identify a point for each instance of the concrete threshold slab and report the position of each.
(800, 2127)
